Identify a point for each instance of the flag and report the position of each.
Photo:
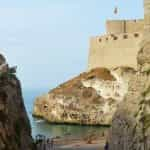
(116, 10)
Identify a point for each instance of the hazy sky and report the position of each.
(49, 39)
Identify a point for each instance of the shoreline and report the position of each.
(69, 123)
(68, 143)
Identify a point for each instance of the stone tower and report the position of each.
(147, 16)
(143, 58)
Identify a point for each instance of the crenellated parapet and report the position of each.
(105, 39)
(112, 50)
(125, 42)
(119, 46)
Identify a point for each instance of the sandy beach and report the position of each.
(79, 144)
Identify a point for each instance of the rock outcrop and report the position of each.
(131, 123)
(15, 132)
(132, 119)
(91, 98)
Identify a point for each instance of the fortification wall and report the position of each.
(124, 26)
(114, 50)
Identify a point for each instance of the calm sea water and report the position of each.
(53, 130)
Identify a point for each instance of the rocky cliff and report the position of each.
(91, 98)
(131, 122)
(15, 132)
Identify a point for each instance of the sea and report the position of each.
(42, 127)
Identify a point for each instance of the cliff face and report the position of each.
(131, 122)
(15, 132)
(91, 98)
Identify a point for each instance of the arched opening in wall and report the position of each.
(125, 36)
(115, 38)
(136, 35)
(100, 40)
(106, 39)
(112, 35)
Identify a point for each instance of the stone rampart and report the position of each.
(114, 50)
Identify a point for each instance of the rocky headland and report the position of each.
(15, 131)
(120, 97)
(90, 98)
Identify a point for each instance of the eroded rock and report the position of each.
(90, 98)
(128, 127)
(15, 131)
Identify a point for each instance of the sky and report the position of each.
(49, 39)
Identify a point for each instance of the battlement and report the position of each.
(119, 46)
(124, 26)
(105, 39)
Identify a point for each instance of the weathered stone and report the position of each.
(90, 98)
(144, 54)
(15, 132)
(2, 59)
(127, 128)
(131, 122)
(145, 67)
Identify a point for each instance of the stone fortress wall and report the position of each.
(119, 46)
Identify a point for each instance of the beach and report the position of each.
(79, 144)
